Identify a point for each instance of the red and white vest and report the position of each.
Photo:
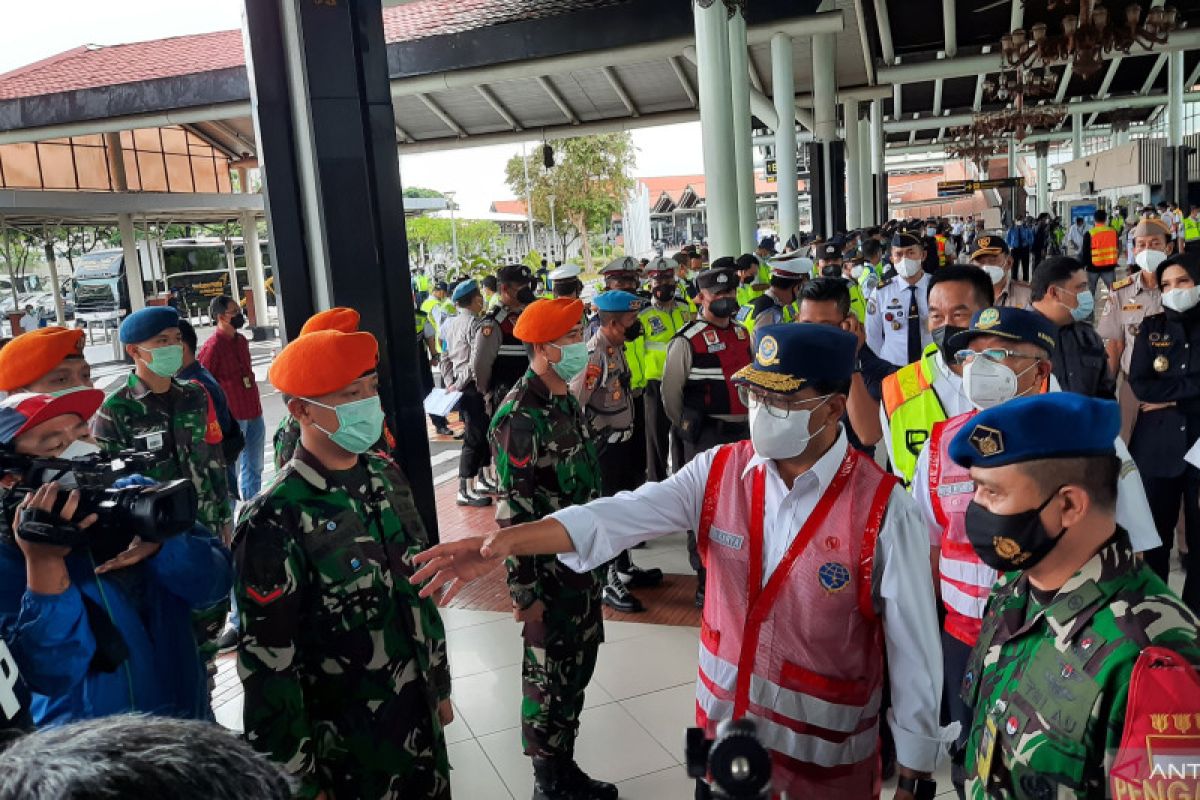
(801, 655)
(965, 581)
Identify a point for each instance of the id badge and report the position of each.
(247, 382)
(987, 747)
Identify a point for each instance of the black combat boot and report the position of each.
(587, 786)
(468, 498)
(634, 576)
(552, 782)
(616, 596)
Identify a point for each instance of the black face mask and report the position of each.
(747, 280)
(1007, 542)
(942, 336)
(238, 321)
(724, 307)
(634, 332)
(525, 296)
(663, 294)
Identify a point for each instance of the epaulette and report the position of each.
(694, 327)
(1121, 284)
(762, 303)
(887, 280)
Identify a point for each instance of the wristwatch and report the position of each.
(921, 788)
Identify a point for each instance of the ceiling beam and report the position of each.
(403, 135)
(885, 35)
(864, 40)
(1152, 76)
(615, 83)
(1102, 92)
(684, 80)
(549, 89)
(490, 98)
(1017, 18)
(755, 78)
(977, 103)
(965, 66)
(897, 101)
(949, 25)
(448, 120)
(937, 97)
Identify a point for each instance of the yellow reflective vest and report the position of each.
(659, 328)
(1191, 229)
(912, 407)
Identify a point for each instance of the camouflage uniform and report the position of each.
(545, 461)
(1049, 682)
(343, 665)
(182, 424)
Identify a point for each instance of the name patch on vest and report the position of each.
(726, 539)
(962, 487)
(713, 340)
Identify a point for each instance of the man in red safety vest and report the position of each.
(817, 566)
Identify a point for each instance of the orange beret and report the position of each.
(322, 362)
(546, 320)
(31, 355)
(335, 319)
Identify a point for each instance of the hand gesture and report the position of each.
(453, 565)
(852, 325)
(43, 500)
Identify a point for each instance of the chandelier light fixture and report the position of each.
(1021, 82)
(1088, 35)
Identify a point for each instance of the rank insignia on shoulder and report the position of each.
(1121, 284)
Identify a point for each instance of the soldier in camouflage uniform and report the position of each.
(344, 666)
(545, 461)
(1049, 678)
(156, 413)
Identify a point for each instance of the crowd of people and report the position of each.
(991, 584)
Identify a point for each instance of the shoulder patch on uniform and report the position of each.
(1122, 283)
(593, 375)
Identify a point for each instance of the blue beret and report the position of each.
(1052, 425)
(148, 323)
(789, 357)
(618, 301)
(1016, 324)
(464, 289)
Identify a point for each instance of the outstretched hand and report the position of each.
(453, 565)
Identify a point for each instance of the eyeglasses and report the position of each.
(996, 354)
(778, 406)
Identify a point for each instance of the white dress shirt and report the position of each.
(902, 586)
(892, 299)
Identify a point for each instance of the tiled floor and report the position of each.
(638, 705)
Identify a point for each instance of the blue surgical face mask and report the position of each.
(573, 359)
(1086, 305)
(360, 424)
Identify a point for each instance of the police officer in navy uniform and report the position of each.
(499, 359)
(1165, 377)
(698, 395)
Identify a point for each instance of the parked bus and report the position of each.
(195, 269)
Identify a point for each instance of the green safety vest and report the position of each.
(659, 329)
(912, 408)
(746, 294)
(1191, 229)
(858, 303)
(423, 283)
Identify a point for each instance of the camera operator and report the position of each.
(101, 628)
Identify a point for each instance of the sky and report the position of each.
(32, 31)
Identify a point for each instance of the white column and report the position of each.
(784, 83)
(716, 128)
(1175, 98)
(853, 163)
(254, 266)
(878, 165)
(866, 183)
(1012, 171)
(743, 149)
(824, 88)
(1076, 136)
(1043, 177)
(133, 267)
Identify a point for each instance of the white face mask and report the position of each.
(987, 383)
(907, 267)
(80, 448)
(1150, 259)
(856, 271)
(931, 231)
(1180, 300)
(995, 273)
(777, 438)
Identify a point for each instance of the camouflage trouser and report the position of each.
(555, 671)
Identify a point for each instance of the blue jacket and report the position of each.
(149, 603)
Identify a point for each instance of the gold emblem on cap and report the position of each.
(1008, 549)
(988, 318)
(987, 441)
(1161, 364)
(768, 351)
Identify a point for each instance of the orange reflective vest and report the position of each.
(1104, 246)
(941, 245)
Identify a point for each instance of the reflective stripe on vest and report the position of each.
(801, 653)
(965, 581)
(1104, 246)
(941, 247)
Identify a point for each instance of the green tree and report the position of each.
(419, 191)
(432, 234)
(589, 182)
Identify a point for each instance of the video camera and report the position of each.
(151, 513)
(736, 764)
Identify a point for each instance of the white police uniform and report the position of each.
(888, 318)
